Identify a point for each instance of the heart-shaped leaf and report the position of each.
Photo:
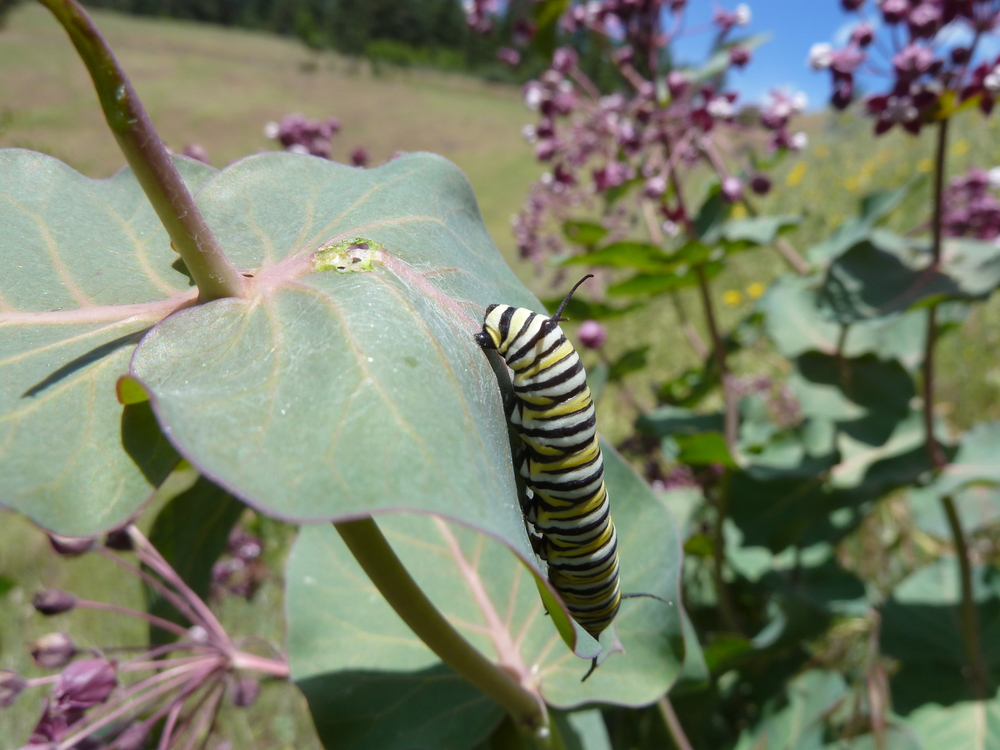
(796, 325)
(87, 269)
(873, 208)
(887, 274)
(970, 725)
(341, 631)
(976, 462)
(584, 232)
(739, 234)
(640, 256)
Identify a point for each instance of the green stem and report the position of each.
(673, 724)
(790, 255)
(155, 171)
(933, 448)
(978, 678)
(726, 608)
(732, 417)
(372, 551)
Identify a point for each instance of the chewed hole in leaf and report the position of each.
(348, 256)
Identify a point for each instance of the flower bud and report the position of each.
(732, 189)
(960, 55)
(655, 186)
(546, 148)
(851, 5)
(623, 54)
(85, 684)
(197, 152)
(739, 55)
(118, 539)
(71, 546)
(843, 92)
(564, 59)
(912, 61)
(592, 334)
(924, 20)
(52, 651)
(508, 56)
(760, 184)
(677, 82)
(894, 11)
(133, 738)
(11, 685)
(359, 156)
(863, 34)
(820, 56)
(53, 602)
(245, 691)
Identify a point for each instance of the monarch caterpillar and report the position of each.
(561, 464)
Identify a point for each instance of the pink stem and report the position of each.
(206, 716)
(176, 678)
(148, 553)
(168, 728)
(167, 594)
(254, 663)
(152, 619)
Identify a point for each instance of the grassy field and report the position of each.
(219, 87)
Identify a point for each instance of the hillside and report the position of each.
(218, 87)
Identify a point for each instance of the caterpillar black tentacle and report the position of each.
(561, 464)
(646, 596)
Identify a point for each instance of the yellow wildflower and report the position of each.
(732, 297)
(739, 212)
(755, 290)
(796, 175)
(925, 165)
(960, 148)
(851, 183)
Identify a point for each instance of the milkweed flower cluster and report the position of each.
(300, 135)
(970, 209)
(910, 43)
(99, 701)
(601, 146)
(240, 571)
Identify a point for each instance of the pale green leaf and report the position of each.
(86, 270)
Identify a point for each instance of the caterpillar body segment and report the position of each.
(562, 465)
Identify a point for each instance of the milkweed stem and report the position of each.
(371, 549)
(155, 171)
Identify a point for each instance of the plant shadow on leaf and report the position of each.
(78, 363)
(145, 444)
(921, 627)
(886, 274)
(375, 710)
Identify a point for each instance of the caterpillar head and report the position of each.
(490, 337)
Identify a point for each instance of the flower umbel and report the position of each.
(100, 702)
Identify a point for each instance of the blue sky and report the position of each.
(794, 26)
